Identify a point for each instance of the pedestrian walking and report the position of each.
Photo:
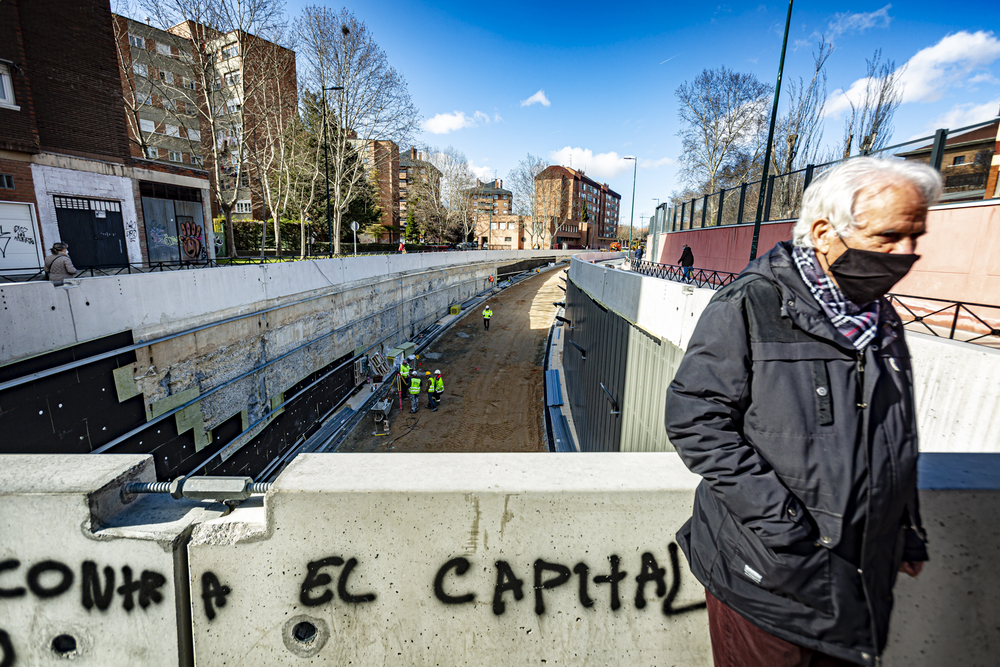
(687, 261)
(638, 254)
(487, 314)
(414, 393)
(431, 402)
(795, 403)
(58, 265)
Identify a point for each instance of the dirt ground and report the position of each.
(493, 381)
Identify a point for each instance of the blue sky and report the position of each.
(595, 81)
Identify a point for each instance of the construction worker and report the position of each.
(438, 388)
(431, 403)
(414, 393)
(404, 370)
(487, 314)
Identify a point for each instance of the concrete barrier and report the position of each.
(89, 574)
(374, 559)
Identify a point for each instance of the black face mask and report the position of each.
(865, 275)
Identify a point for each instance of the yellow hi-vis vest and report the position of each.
(487, 313)
(415, 385)
(430, 385)
(438, 384)
(404, 370)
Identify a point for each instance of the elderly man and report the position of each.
(794, 403)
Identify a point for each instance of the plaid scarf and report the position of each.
(859, 325)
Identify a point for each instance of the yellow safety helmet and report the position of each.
(428, 372)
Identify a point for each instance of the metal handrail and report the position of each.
(699, 277)
(717, 279)
(33, 273)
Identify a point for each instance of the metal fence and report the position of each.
(27, 274)
(956, 320)
(783, 192)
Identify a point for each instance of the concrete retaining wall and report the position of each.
(502, 559)
(958, 409)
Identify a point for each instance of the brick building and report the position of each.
(417, 178)
(488, 201)
(66, 169)
(576, 210)
(196, 96)
(967, 163)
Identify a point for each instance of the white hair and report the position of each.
(832, 195)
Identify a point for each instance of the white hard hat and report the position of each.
(410, 358)
(437, 372)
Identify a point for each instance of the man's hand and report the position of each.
(912, 568)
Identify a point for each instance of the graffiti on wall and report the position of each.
(192, 238)
(19, 234)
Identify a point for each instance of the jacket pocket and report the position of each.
(800, 572)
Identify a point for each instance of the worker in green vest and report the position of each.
(431, 403)
(438, 388)
(404, 371)
(487, 314)
(414, 393)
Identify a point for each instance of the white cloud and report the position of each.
(953, 62)
(646, 163)
(482, 173)
(602, 165)
(537, 98)
(443, 123)
(962, 115)
(497, 118)
(844, 23)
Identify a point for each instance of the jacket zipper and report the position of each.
(863, 405)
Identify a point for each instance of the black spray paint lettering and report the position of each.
(461, 566)
(6, 650)
(507, 581)
(315, 578)
(213, 593)
(50, 579)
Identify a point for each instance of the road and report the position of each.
(493, 381)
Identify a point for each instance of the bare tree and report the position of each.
(523, 185)
(373, 102)
(723, 114)
(234, 51)
(870, 122)
(452, 190)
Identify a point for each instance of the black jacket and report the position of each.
(687, 257)
(808, 450)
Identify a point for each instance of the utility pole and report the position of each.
(770, 140)
(635, 168)
(326, 162)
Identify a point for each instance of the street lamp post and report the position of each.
(631, 217)
(770, 140)
(326, 164)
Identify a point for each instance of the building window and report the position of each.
(242, 206)
(166, 77)
(172, 131)
(143, 98)
(140, 69)
(7, 89)
(169, 104)
(197, 160)
(175, 156)
(136, 41)
(959, 159)
(147, 125)
(163, 49)
(507, 239)
(6, 182)
(187, 83)
(234, 157)
(233, 106)
(185, 57)
(152, 152)
(232, 78)
(229, 51)
(194, 135)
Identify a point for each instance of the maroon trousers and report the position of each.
(736, 642)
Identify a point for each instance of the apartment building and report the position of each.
(197, 96)
(967, 162)
(579, 211)
(490, 198)
(417, 177)
(502, 231)
(67, 173)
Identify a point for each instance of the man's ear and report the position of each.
(820, 233)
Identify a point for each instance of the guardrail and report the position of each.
(28, 274)
(979, 328)
(698, 277)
